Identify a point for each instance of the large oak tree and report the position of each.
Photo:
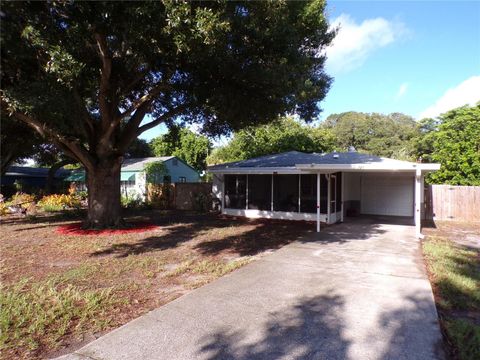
(85, 75)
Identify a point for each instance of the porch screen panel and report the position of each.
(339, 191)
(323, 194)
(285, 193)
(260, 192)
(235, 191)
(308, 193)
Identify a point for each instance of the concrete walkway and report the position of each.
(356, 291)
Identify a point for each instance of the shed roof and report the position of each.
(138, 164)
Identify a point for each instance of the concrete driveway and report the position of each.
(356, 291)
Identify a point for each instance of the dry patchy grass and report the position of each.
(59, 291)
(454, 270)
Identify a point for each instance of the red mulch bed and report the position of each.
(76, 229)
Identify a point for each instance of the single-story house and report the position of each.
(321, 187)
(133, 178)
(30, 177)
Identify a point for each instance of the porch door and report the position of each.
(333, 199)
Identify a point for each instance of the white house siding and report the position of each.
(351, 193)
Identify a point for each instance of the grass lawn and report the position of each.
(454, 269)
(59, 292)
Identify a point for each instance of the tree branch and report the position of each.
(75, 150)
(88, 123)
(161, 119)
(105, 78)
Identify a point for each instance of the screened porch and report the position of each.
(284, 196)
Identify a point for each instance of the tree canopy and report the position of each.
(382, 135)
(185, 144)
(453, 140)
(285, 134)
(85, 74)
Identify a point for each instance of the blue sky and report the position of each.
(420, 58)
(415, 57)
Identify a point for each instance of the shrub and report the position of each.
(131, 200)
(58, 202)
(202, 202)
(21, 199)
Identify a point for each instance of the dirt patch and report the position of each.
(130, 273)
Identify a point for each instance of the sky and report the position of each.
(420, 58)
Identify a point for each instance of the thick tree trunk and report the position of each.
(104, 207)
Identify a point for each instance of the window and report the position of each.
(235, 191)
(285, 193)
(167, 179)
(126, 185)
(182, 179)
(260, 192)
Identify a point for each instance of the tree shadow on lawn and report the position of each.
(266, 234)
(51, 218)
(273, 234)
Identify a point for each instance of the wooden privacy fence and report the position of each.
(448, 202)
(181, 196)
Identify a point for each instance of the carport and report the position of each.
(321, 187)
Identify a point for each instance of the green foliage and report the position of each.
(131, 202)
(139, 148)
(155, 171)
(382, 135)
(285, 134)
(202, 202)
(86, 74)
(453, 140)
(184, 144)
(17, 142)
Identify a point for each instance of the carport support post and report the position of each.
(318, 202)
(418, 212)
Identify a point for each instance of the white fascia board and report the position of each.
(368, 167)
(327, 168)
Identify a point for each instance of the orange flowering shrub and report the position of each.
(57, 202)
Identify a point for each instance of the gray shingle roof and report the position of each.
(138, 164)
(27, 171)
(292, 158)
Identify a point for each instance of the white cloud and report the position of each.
(401, 91)
(466, 93)
(355, 42)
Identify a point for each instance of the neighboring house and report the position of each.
(133, 177)
(321, 187)
(30, 177)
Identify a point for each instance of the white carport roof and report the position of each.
(294, 162)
